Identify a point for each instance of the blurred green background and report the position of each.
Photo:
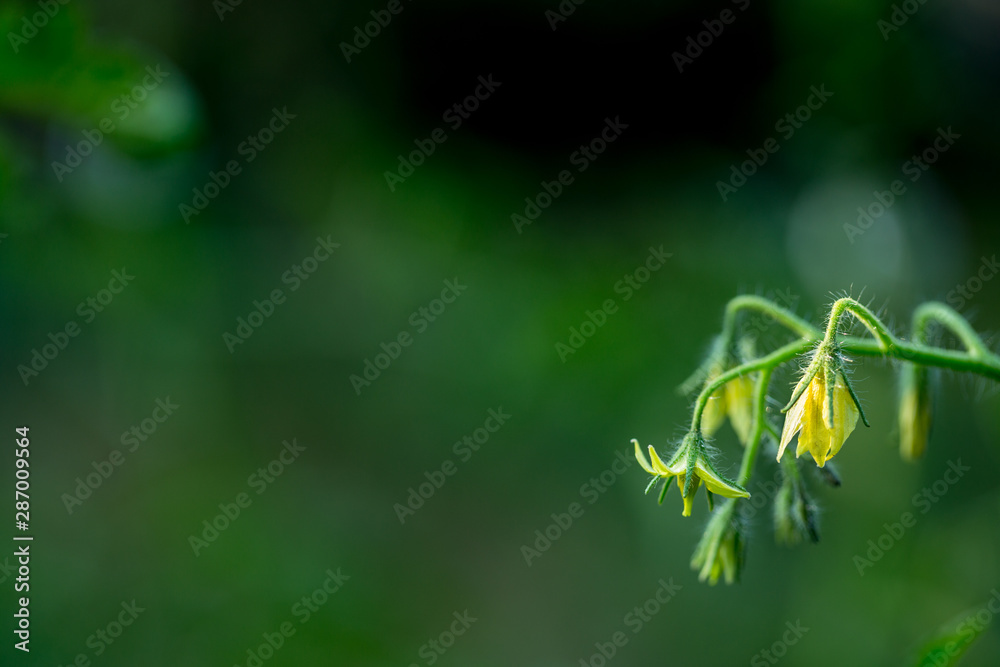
(222, 69)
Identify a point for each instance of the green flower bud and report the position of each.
(914, 411)
(795, 514)
(720, 551)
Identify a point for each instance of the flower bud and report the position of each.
(720, 551)
(914, 411)
(795, 516)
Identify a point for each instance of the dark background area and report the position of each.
(781, 234)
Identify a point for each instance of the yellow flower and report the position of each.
(733, 399)
(914, 413)
(807, 418)
(691, 467)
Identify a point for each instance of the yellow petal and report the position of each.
(793, 422)
(813, 437)
(845, 417)
(739, 406)
(816, 437)
(641, 458)
(659, 466)
(714, 413)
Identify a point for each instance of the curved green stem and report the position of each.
(750, 302)
(722, 344)
(769, 361)
(934, 311)
(988, 365)
(976, 359)
(863, 315)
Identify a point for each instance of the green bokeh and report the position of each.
(323, 177)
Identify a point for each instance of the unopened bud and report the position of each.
(914, 412)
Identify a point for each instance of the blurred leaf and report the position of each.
(952, 641)
(55, 71)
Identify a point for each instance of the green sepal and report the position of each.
(663, 493)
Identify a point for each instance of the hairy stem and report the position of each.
(987, 364)
(975, 359)
(863, 315)
(769, 362)
(723, 343)
(934, 311)
(749, 302)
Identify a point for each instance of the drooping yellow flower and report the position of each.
(735, 400)
(690, 459)
(806, 417)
